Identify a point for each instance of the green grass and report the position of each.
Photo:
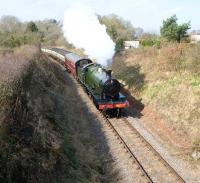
(6, 91)
(195, 81)
(152, 91)
(155, 89)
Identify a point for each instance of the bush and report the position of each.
(171, 31)
(119, 45)
(13, 41)
(15, 33)
(172, 57)
(150, 42)
(132, 77)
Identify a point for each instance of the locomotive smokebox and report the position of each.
(111, 88)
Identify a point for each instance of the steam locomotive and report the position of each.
(97, 81)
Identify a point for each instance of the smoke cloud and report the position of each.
(81, 27)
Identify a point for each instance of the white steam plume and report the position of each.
(81, 27)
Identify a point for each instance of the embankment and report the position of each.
(45, 135)
(167, 82)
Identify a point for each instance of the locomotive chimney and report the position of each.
(108, 72)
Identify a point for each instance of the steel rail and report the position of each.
(128, 149)
(155, 151)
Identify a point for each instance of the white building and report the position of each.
(131, 44)
(195, 38)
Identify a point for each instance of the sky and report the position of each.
(147, 14)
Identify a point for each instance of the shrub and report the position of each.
(172, 31)
(119, 45)
(133, 77)
(172, 57)
(150, 42)
(13, 41)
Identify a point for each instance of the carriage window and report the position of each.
(83, 62)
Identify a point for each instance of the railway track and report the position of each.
(152, 165)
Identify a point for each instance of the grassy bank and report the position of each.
(45, 134)
(168, 81)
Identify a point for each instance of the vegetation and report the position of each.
(150, 42)
(167, 80)
(119, 46)
(132, 77)
(41, 137)
(14, 33)
(172, 31)
(118, 29)
(31, 27)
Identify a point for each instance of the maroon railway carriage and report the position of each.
(72, 60)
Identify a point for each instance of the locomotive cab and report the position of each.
(80, 66)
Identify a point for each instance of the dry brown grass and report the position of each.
(46, 136)
(14, 64)
(172, 84)
(172, 57)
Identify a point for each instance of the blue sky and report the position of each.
(147, 14)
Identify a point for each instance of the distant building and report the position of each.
(131, 44)
(195, 38)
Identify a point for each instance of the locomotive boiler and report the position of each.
(99, 81)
